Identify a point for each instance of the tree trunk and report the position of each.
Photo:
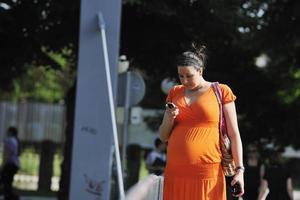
(64, 184)
(46, 165)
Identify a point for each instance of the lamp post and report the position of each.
(131, 90)
(123, 67)
(123, 64)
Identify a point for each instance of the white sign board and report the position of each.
(93, 137)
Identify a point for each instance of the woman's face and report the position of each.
(189, 76)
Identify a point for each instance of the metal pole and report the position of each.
(126, 120)
(101, 25)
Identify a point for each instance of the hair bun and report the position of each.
(195, 56)
(200, 52)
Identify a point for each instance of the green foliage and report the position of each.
(40, 84)
(154, 32)
(291, 94)
(235, 32)
(43, 83)
(29, 162)
(26, 27)
(143, 170)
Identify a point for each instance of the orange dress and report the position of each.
(193, 170)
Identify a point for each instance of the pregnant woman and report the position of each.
(190, 127)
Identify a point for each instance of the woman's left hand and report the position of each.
(239, 179)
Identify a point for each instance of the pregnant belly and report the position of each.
(188, 145)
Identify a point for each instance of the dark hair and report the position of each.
(13, 131)
(196, 56)
(157, 142)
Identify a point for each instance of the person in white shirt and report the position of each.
(156, 159)
(11, 163)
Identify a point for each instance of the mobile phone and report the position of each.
(170, 105)
(236, 189)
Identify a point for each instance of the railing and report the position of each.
(150, 188)
(35, 121)
(27, 177)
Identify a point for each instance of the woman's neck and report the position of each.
(202, 85)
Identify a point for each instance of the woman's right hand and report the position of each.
(167, 123)
(171, 113)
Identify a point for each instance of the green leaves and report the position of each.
(235, 32)
(43, 83)
(291, 93)
(27, 26)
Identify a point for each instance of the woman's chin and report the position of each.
(190, 87)
(187, 86)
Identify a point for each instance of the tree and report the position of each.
(236, 33)
(30, 31)
(153, 32)
(27, 28)
(43, 83)
(276, 34)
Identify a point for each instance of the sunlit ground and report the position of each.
(30, 182)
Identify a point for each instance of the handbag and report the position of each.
(225, 144)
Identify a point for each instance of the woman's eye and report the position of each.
(187, 76)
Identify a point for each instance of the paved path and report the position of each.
(34, 198)
(296, 197)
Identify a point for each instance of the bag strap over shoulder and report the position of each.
(225, 144)
(218, 94)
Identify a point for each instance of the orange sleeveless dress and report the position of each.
(193, 170)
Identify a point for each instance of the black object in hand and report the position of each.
(236, 189)
(170, 105)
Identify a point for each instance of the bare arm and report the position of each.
(263, 190)
(289, 187)
(167, 123)
(262, 171)
(236, 142)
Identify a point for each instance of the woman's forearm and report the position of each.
(263, 190)
(290, 188)
(237, 149)
(233, 133)
(165, 130)
(167, 125)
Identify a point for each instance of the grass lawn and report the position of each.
(143, 170)
(30, 162)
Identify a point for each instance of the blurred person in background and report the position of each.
(276, 183)
(11, 163)
(156, 159)
(253, 174)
